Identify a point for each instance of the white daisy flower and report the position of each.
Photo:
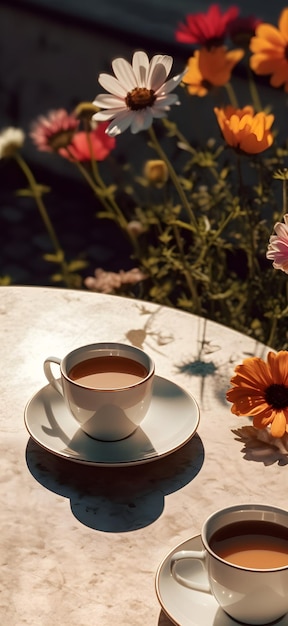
(11, 139)
(137, 94)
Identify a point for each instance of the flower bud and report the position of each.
(11, 140)
(156, 172)
(85, 110)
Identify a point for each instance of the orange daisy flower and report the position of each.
(245, 130)
(269, 48)
(260, 390)
(210, 68)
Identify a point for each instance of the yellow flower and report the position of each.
(210, 68)
(269, 48)
(245, 130)
(260, 390)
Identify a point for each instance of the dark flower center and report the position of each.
(206, 84)
(214, 42)
(277, 396)
(61, 139)
(140, 98)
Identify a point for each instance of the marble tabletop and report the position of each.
(81, 544)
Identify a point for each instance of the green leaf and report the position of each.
(76, 265)
(54, 258)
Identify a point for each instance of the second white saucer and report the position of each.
(171, 421)
(187, 607)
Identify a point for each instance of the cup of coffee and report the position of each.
(245, 558)
(106, 386)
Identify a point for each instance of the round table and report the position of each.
(81, 542)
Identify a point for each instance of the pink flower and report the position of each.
(278, 246)
(208, 28)
(79, 148)
(54, 131)
(109, 282)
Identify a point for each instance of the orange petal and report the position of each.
(278, 426)
(283, 23)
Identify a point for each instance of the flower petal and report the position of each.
(113, 85)
(108, 101)
(141, 120)
(120, 123)
(124, 73)
(160, 67)
(140, 65)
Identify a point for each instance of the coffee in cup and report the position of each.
(245, 558)
(106, 386)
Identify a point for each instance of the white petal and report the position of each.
(101, 116)
(159, 113)
(160, 67)
(168, 100)
(124, 72)
(120, 123)
(140, 64)
(110, 83)
(107, 101)
(172, 83)
(142, 120)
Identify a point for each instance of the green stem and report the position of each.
(254, 92)
(187, 273)
(232, 95)
(177, 133)
(107, 199)
(253, 264)
(173, 177)
(37, 195)
(273, 329)
(284, 196)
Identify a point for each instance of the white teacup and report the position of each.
(242, 586)
(106, 386)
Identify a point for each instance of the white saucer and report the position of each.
(171, 421)
(186, 607)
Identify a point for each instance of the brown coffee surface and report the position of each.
(253, 544)
(108, 372)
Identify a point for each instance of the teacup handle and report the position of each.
(49, 374)
(198, 555)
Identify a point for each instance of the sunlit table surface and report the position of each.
(81, 543)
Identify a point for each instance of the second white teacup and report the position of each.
(106, 386)
(245, 557)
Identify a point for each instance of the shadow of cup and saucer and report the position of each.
(84, 469)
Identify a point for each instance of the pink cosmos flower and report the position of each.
(54, 131)
(80, 150)
(278, 246)
(208, 28)
(109, 282)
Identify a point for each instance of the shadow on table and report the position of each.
(117, 499)
(164, 620)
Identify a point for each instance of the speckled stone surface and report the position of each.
(80, 545)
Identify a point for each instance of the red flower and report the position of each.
(206, 29)
(100, 145)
